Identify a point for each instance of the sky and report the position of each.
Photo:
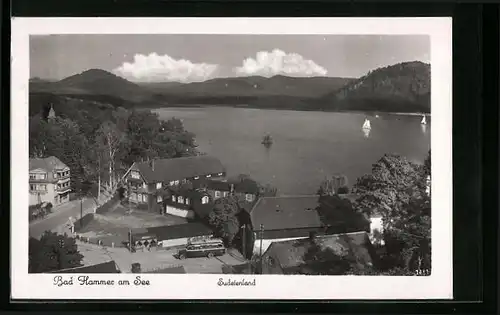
(194, 58)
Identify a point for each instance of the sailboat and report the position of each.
(366, 124)
(423, 122)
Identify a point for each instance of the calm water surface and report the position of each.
(308, 146)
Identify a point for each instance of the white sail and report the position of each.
(423, 122)
(366, 124)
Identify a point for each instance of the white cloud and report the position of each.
(276, 62)
(156, 68)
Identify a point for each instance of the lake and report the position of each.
(307, 146)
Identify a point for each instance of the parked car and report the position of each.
(202, 248)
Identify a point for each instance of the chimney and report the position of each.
(232, 188)
(153, 165)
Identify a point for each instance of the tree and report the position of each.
(319, 260)
(339, 216)
(396, 190)
(223, 218)
(110, 139)
(53, 252)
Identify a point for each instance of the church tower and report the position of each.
(52, 113)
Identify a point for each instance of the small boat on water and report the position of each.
(267, 140)
(424, 121)
(377, 116)
(366, 124)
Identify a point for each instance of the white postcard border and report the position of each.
(437, 286)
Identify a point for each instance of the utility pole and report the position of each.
(99, 180)
(261, 236)
(130, 240)
(81, 212)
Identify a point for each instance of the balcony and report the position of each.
(62, 188)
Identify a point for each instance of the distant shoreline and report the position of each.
(372, 113)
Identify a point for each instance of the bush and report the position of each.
(136, 268)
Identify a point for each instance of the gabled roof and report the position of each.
(168, 232)
(290, 254)
(49, 164)
(166, 170)
(281, 213)
(107, 267)
(246, 186)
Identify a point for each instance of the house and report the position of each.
(339, 253)
(246, 190)
(284, 218)
(187, 203)
(49, 181)
(170, 235)
(107, 267)
(147, 183)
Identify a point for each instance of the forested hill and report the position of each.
(404, 87)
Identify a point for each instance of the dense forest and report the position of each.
(403, 87)
(96, 138)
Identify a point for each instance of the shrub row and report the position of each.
(37, 212)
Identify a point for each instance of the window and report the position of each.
(172, 183)
(32, 187)
(55, 174)
(208, 176)
(180, 199)
(158, 185)
(176, 182)
(139, 197)
(220, 174)
(32, 176)
(249, 197)
(134, 174)
(174, 199)
(133, 196)
(197, 177)
(187, 201)
(144, 198)
(159, 199)
(217, 194)
(225, 194)
(204, 200)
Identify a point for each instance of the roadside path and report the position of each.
(60, 216)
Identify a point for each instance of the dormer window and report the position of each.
(225, 194)
(158, 185)
(174, 199)
(144, 185)
(204, 200)
(180, 199)
(187, 201)
(135, 174)
(159, 199)
(197, 177)
(217, 194)
(208, 176)
(172, 183)
(220, 174)
(249, 197)
(176, 182)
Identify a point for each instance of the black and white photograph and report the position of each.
(230, 151)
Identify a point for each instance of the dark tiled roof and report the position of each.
(280, 213)
(107, 267)
(289, 254)
(168, 232)
(245, 186)
(166, 170)
(175, 269)
(49, 163)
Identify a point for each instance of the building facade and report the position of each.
(148, 184)
(49, 181)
